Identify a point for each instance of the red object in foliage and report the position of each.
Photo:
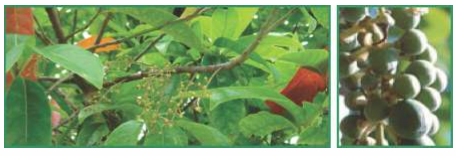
(304, 86)
(19, 21)
(29, 71)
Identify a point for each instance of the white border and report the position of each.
(238, 151)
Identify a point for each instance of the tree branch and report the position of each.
(85, 26)
(210, 68)
(42, 36)
(102, 29)
(52, 14)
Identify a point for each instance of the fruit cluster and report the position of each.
(391, 85)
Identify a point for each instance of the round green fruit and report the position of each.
(351, 125)
(353, 15)
(422, 141)
(413, 42)
(423, 70)
(404, 18)
(410, 119)
(376, 109)
(347, 66)
(429, 54)
(355, 100)
(430, 98)
(441, 80)
(370, 81)
(435, 125)
(406, 86)
(383, 61)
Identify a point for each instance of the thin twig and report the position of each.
(53, 17)
(152, 44)
(90, 22)
(57, 83)
(75, 24)
(41, 34)
(196, 14)
(102, 29)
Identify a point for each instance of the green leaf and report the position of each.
(308, 19)
(313, 110)
(77, 60)
(61, 102)
(157, 17)
(168, 136)
(221, 95)
(308, 57)
(27, 115)
(224, 23)
(206, 135)
(125, 135)
(226, 117)
(322, 15)
(273, 46)
(154, 59)
(315, 135)
(245, 16)
(98, 108)
(263, 123)
(91, 133)
(14, 47)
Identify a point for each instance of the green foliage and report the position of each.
(77, 60)
(28, 115)
(205, 135)
(263, 123)
(136, 94)
(125, 135)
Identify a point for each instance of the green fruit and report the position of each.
(376, 109)
(435, 125)
(406, 86)
(347, 66)
(429, 54)
(430, 98)
(423, 70)
(355, 100)
(349, 43)
(410, 119)
(351, 125)
(405, 19)
(370, 81)
(353, 15)
(422, 141)
(351, 82)
(383, 61)
(441, 80)
(412, 42)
